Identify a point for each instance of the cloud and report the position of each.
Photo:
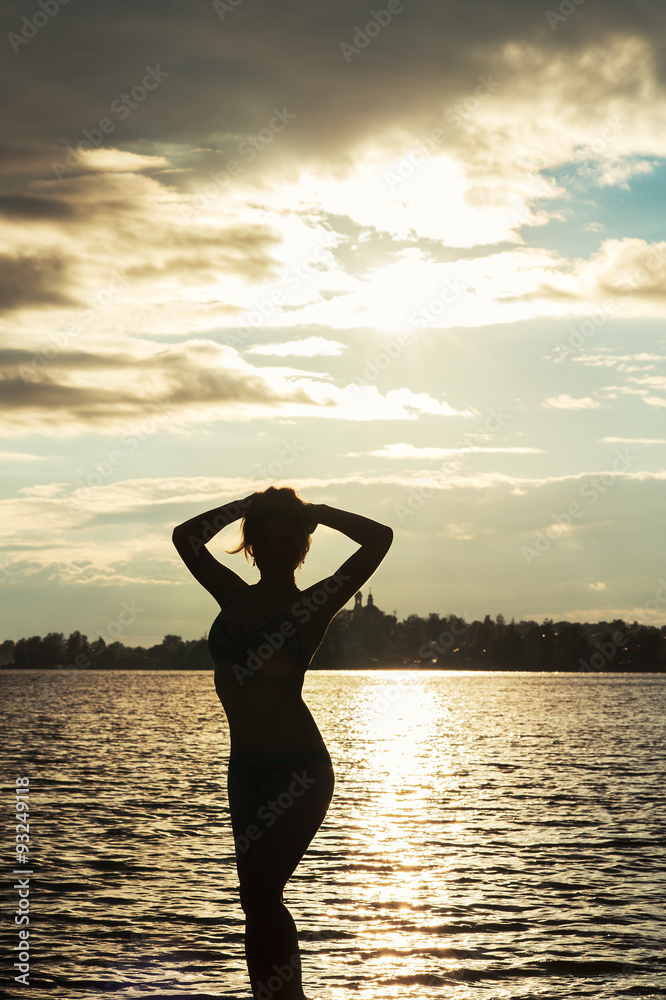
(461, 170)
(196, 382)
(34, 208)
(651, 381)
(565, 402)
(117, 534)
(427, 57)
(618, 174)
(409, 451)
(190, 245)
(624, 440)
(107, 161)
(624, 277)
(47, 490)
(19, 456)
(626, 266)
(125, 259)
(35, 280)
(460, 532)
(55, 520)
(309, 347)
(178, 385)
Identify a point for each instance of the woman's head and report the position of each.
(276, 529)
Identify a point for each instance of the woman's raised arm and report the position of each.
(190, 539)
(360, 529)
(375, 540)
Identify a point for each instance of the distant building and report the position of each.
(369, 610)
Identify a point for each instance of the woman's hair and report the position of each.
(275, 501)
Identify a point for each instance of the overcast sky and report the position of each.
(408, 258)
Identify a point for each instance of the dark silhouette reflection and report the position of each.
(280, 778)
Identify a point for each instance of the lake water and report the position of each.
(491, 835)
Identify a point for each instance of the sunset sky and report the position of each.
(409, 258)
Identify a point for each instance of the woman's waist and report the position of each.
(243, 670)
(256, 735)
(276, 689)
(269, 717)
(269, 756)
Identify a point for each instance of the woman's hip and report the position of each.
(262, 788)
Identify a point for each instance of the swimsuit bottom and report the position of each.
(262, 787)
(265, 775)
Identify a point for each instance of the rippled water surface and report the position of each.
(491, 835)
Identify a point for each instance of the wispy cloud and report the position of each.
(634, 440)
(566, 402)
(409, 451)
(309, 347)
(20, 456)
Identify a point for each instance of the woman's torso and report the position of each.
(260, 665)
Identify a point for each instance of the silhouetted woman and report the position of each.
(280, 778)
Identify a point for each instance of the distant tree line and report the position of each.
(366, 637)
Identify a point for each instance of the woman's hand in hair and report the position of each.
(312, 514)
(248, 502)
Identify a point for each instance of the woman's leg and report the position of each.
(274, 843)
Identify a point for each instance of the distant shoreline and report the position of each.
(368, 639)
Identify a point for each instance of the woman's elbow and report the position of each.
(385, 537)
(178, 536)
